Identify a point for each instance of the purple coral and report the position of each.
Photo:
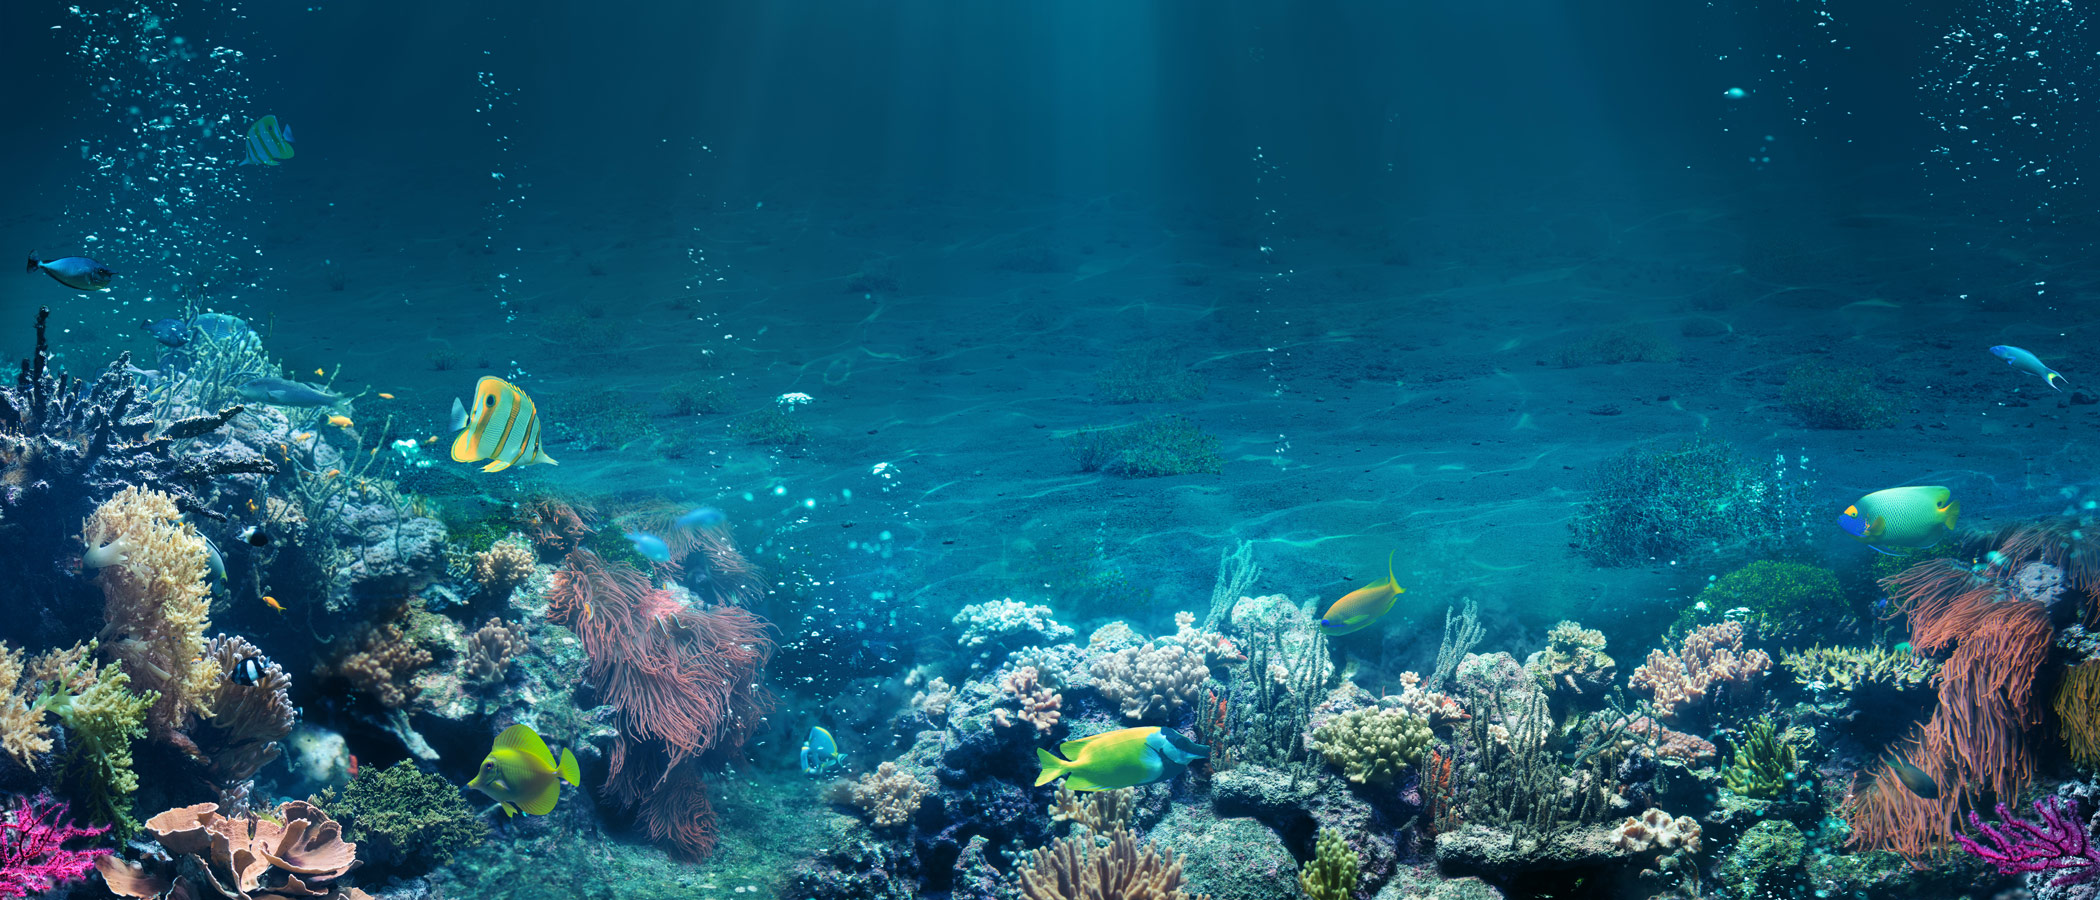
(2056, 843)
(33, 856)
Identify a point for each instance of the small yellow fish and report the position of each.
(272, 603)
(1359, 608)
(318, 373)
(339, 421)
(431, 439)
(385, 396)
(302, 437)
(331, 473)
(251, 506)
(520, 772)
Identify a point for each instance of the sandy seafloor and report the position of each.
(1377, 385)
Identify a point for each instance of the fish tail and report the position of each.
(1052, 767)
(2053, 378)
(568, 770)
(33, 262)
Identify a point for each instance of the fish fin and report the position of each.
(496, 465)
(1395, 582)
(459, 415)
(543, 803)
(569, 771)
(1953, 512)
(286, 130)
(463, 447)
(33, 262)
(1881, 551)
(2053, 378)
(522, 738)
(1079, 782)
(544, 458)
(509, 810)
(1052, 767)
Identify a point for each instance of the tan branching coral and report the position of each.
(1711, 659)
(297, 851)
(933, 702)
(1152, 682)
(504, 565)
(1039, 704)
(1573, 661)
(248, 720)
(890, 795)
(1097, 811)
(1372, 746)
(1075, 868)
(152, 567)
(488, 653)
(23, 732)
(383, 665)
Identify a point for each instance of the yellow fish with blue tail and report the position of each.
(820, 753)
(503, 427)
(520, 772)
(1359, 608)
(1120, 759)
(1907, 518)
(267, 143)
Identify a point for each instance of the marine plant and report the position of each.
(34, 858)
(1786, 603)
(773, 426)
(1371, 745)
(1823, 395)
(1174, 445)
(1077, 868)
(2055, 842)
(1672, 501)
(2078, 712)
(104, 718)
(1333, 871)
(1765, 763)
(404, 816)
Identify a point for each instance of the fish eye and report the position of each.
(491, 403)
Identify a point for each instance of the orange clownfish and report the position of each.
(1359, 608)
(272, 603)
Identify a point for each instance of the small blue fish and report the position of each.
(170, 332)
(820, 754)
(704, 517)
(2029, 363)
(268, 142)
(650, 546)
(283, 392)
(77, 272)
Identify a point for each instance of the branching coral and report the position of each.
(1372, 746)
(890, 795)
(489, 651)
(1002, 625)
(1150, 682)
(23, 732)
(933, 702)
(1039, 704)
(248, 720)
(383, 663)
(1075, 868)
(1849, 669)
(1671, 745)
(296, 851)
(155, 601)
(1764, 763)
(1712, 660)
(104, 717)
(2057, 842)
(34, 858)
(1097, 811)
(504, 565)
(1333, 871)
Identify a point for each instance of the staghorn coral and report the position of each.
(1076, 868)
(504, 565)
(1097, 811)
(1333, 871)
(152, 571)
(1711, 660)
(1039, 704)
(296, 851)
(1371, 746)
(1849, 669)
(1151, 682)
(248, 720)
(34, 859)
(890, 795)
(489, 651)
(1573, 661)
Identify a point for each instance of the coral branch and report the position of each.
(33, 854)
(2055, 843)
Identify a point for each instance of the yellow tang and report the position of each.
(1120, 759)
(521, 773)
(504, 427)
(1359, 608)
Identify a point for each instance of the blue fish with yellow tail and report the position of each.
(1359, 608)
(267, 143)
(820, 754)
(1906, 518)
(1120, 759)
(2029, 363)
(77, 272)
(520, 772)
(503, 427)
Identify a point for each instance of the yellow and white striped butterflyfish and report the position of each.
(504, 427)
(268, 142)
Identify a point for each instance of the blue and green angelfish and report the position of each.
(268, 142)
(520, 772)
(820, 754)
(1120, 759)
(1905, 518)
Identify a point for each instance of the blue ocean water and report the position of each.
(1067, 450)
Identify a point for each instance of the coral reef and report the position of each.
(1150, 683)
(1782, 603)
(504, 565)
(1372, 746)
(1710, 664)
(1573, 661)
(1075, 868)
(2055, 843)
(383, 662)
(248, 719)
(890, 795)
(295, 851)
(488, 652)
(1765, 763)
(1097, 811)
(152, 566)
(996, 627)
(1039, 704)
(34, 858)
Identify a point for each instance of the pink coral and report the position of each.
(2057, 842)
(1712, 657)
(1039, 704)
(1686, 748)
(33, 855)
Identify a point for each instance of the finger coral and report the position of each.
(296, 851)
(1711, 660)
(1372, 746)
(1333, 871)
(1039, 704)
(1150, 682)
(156, 602)
(890, 795)
(1764, 763)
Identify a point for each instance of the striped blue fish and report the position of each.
(268, 142)
(503, 428)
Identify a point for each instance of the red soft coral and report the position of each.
(33, 855)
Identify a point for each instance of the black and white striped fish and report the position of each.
(503, 427)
